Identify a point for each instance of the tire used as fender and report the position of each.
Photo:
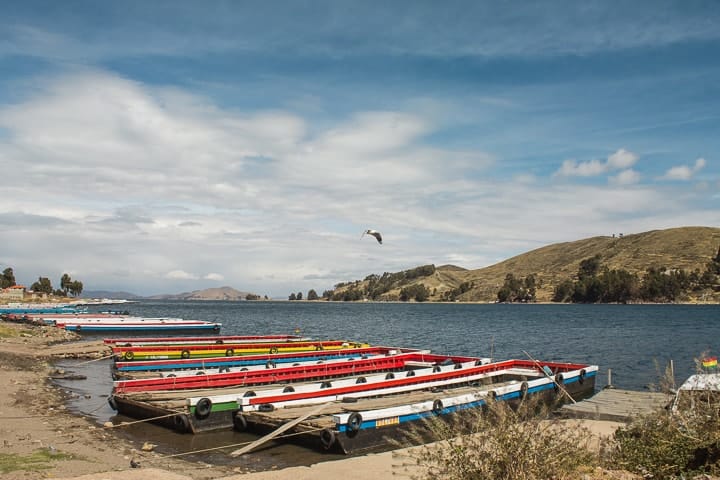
(327, 438)
(185, 354)
(523, 390)
(182, 424)
(354, 422)
(437, 407)
(203, 407)
(112, 402)
(240, 422)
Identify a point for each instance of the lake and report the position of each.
(629, 339)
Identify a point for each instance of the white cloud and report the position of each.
(214, 276)
(621, 159)
(626, 177)
(180, 275)
(571, 168)
(684, 172)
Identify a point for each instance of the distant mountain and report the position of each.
(686, 248)
(110, 295)
(222, 293)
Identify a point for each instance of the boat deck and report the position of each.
(279, 416)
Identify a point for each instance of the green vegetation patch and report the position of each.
(36, 461)
(6, 332)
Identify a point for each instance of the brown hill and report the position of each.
(221, 293)
(687, 248)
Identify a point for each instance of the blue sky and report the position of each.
(159, 147)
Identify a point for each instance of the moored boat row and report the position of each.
(365, 393)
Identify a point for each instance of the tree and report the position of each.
(563, 291)
(8, 278)
(75, 288)
(65, 283)
(589, 267)
(43, 285)
(299, 296)
(292, 297)
(312, 295)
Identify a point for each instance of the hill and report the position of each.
(686, 248)
(222, 293)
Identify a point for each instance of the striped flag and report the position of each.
(709, 362)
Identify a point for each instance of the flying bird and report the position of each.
(375, 234)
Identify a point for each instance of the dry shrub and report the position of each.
(504, 443)
(672, 443)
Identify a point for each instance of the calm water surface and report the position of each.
(632, 340)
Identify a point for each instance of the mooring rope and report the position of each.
(124, 424)
(232, 445)
(94, 360)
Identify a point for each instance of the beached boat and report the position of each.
(367, 421)
(138, 324)
(272, 373)
(216, 339)
(382, 403)
(36, 308)
(155, 368)
(161, 352)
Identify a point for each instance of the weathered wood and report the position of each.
(617, 405)
(285, 427)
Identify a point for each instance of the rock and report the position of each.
(148, 447)
(108, 424)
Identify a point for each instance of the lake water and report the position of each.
(632, 340)
(629, 339)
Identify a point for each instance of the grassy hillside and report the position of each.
(686, 248)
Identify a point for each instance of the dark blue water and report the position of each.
(632, 340)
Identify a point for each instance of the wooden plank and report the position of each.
(617, 405)
(285, 427)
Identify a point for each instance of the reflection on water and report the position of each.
(632, 340)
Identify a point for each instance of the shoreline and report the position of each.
(36, 419)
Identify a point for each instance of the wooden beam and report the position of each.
(280, 430)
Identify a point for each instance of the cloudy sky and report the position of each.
(166, 146)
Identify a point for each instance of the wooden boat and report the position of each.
(385, 402)
(139, 324)
(156, 352)
(366, 422)
(134, 403)
(217, 339)
(155, 368)
(35, 308)
(272, 373)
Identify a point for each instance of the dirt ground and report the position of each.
(40, 439)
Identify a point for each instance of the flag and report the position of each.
(709, 362)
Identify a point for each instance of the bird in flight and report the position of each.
(375, 234)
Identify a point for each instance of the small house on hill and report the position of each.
(14, 293)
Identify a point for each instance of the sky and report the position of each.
(168, 146)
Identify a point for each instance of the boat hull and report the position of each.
(377, 434)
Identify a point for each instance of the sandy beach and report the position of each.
(46, 441)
